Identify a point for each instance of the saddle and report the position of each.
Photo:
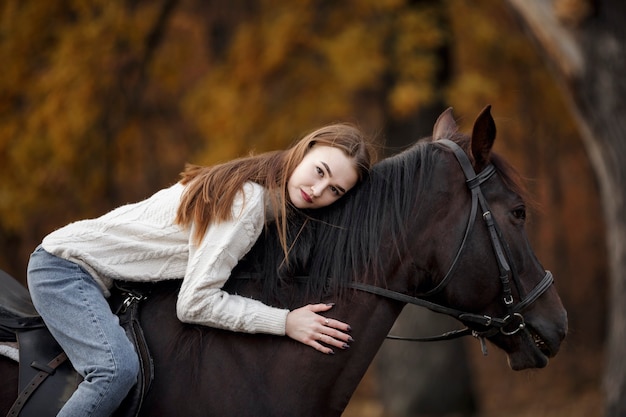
(46, 377)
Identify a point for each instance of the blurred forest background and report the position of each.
(102, 102)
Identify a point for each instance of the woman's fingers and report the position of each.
(325, 343)
(336, 331)
(335, 324)
(338, 339)
(321, 333)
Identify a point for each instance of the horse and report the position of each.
(440, 224)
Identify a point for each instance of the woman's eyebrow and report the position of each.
(330, 174)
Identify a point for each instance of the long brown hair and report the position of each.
(210, 191)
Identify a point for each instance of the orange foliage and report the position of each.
(103, 102)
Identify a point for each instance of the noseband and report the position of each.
(513, 321)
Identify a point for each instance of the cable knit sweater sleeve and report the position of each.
(201, 299)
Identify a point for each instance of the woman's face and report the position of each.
(323, 176)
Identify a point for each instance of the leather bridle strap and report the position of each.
(492, 325)
(473, 182)
(536, 292)
(478, 319)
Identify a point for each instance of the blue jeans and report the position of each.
(75, 310)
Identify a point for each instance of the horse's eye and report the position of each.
(520, 213)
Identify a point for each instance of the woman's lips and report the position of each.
(306, 197)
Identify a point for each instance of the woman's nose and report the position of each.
(318, 188)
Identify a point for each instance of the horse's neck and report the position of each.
(371, 318)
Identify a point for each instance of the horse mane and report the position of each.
(342, 243)
(330, 246)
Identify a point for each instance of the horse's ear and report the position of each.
(483, 136)
(445, 126)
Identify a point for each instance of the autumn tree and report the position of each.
(102, 103)
(79, 133)
(491, 60)
(585, 42)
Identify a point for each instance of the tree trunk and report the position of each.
(585, 43)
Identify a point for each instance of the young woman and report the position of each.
(197, 229)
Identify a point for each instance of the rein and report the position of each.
(514, 321)
(508, 325)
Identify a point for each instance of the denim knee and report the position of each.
(127, 372)
(117, 380)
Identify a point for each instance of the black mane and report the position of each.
(344, 242)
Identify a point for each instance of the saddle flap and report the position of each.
(37, 347)
(47, 379)
(16, 309)
(14, 298)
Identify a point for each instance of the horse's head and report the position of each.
(482, 264)
(443, 220)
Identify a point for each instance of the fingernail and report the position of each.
(332, 352)
(330, 304)
(345, 346)
(349, 328)
(350, 339)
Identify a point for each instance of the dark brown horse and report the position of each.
(423, 225)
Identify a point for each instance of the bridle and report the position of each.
(514, 320)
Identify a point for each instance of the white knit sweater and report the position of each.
(141, 242)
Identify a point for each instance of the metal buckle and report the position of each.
(130, 299)
(520, 326)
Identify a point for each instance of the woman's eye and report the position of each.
(334, 190)
(319, 171)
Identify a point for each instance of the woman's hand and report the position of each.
(319, 332)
